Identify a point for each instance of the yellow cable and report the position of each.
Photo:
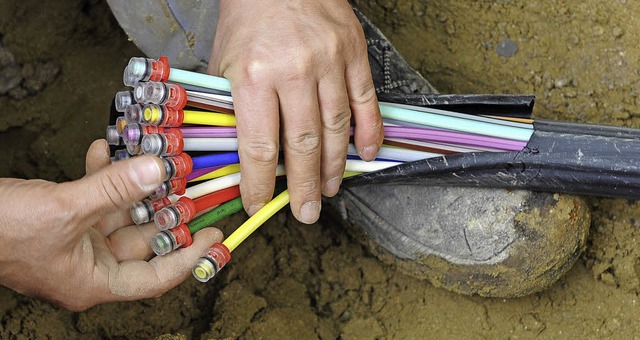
(254, 222)
(209, 118)
(226, 170)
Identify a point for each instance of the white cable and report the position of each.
(216, 184)
(210, 144)
(356, 165)
(396, 154)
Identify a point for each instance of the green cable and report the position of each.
(224, 210)
(215, 215)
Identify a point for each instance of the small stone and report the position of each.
(38, 75)
(617, 32)
(9, 78)
(47, 72)
(18, 92)
(562, 82)
(531, 323)
(507, 48)
(608, 279)
(6, 57)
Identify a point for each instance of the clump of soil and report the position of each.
(292, 280)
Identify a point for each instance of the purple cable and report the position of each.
(208, 131)
(415, 133)
(452, 137)
(199, 172)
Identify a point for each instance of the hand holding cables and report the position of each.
(301, 80)
(76, 245)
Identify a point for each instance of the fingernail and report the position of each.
(332, 186)
(147, 173)
(369, 153)
(310, 212)
(254, 209)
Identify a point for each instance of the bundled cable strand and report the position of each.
(187, 119)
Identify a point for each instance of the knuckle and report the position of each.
(338, 121)
(258, 192)
(261, 151)
(114, 189)
(304, 144)
(308, 187)
(366, 95)
(255, 71)
(332, 46)
(299, 69)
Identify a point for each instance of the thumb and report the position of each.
(116, 186)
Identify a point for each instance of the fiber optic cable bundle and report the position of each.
(472, 140)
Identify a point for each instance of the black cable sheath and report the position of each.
(574, 158)
(504, 105)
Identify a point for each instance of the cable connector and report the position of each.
(143, 211)
(146, 69)
(167, 241)
(174, 186)
(133, 132)
(173, 215)
(123, 99)
(134, 149)
(133, 113)
(119, 155)
(206, 267)
(112, 135)
(162, 115)
(171, 95)
(121, 122)
(178, 166)
(169, 143)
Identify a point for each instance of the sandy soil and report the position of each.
(294, 281)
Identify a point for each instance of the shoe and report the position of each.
(489, 242)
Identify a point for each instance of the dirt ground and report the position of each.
(61, 61)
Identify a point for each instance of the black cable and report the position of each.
(562, 157)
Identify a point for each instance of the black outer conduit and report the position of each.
(564, 157)
(505, 105)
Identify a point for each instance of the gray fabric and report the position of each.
(181, 30)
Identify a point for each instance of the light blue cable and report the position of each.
(388, 111)
(199, 79)
(454, 123)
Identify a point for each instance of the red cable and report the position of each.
(216, 198)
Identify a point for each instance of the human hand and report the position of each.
(299, 68)
(73, 243)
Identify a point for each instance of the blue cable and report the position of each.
(216, 159)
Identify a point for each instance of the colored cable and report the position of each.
(201, 172)
(208, 131)
(199, 79)
(216, 159)
(216, 198)
(210, 144)
(223, 171)
(209, 118)
(455, 123)
(218, 213)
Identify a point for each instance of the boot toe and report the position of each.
(494, 243)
